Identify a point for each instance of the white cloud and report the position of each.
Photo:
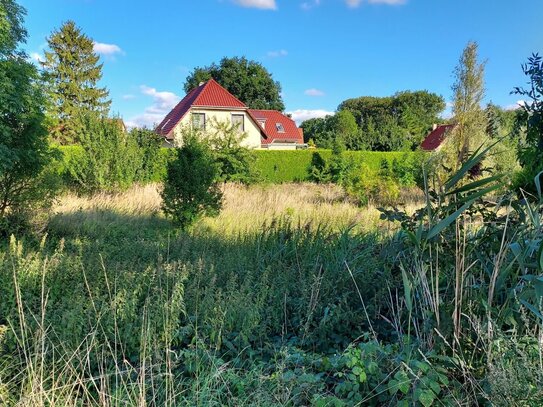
(356, 3)
(353, 3)
(261, 4)
(163, 102)
(515, 106)
(36, 57)
(277, 54)
(314, 92)
(301, 115)
(308, 5)
(107, 49)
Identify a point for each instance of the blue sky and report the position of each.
(321, 51)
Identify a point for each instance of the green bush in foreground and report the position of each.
(191, 187)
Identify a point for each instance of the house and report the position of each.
(436, 137)
(210, 102)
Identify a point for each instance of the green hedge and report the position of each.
(292, 166)
(272, 166)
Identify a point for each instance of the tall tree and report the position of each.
(73, 72)
(24, 151)
(395, 122)
(468, 113)
(247, 80)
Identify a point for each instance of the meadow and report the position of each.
(113, 306)
(293, 295)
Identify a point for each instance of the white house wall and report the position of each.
(252, 130)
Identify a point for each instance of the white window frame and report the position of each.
(242, 127)
(202, 123)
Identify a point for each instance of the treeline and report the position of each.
(395, 123)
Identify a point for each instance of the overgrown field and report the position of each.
(292, 296)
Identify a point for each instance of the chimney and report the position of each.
(434, 126)
(201, 83)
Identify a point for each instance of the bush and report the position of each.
(191, 188)
(152, 162)
(295, 166)
(275, 166)
(236, 162)
(110, 158)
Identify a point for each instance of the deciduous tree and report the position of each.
(247, 80)
(24, 151)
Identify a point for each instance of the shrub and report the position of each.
(318, 171)
(296, 166)
(236, 162)
(151, 164)
(110, 158)
(191, 187)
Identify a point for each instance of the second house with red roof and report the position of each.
(210, 103)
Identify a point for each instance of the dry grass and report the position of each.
(245, 209)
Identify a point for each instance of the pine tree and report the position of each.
(73, 72)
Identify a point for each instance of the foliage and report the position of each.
(150, 146)
(320, 130)
(24, 152)
(72, 73)
(236, 162)
(191, 187)
(297, 166)
(318, 170)
(531, 147)
(109, 159)
(399, 122)
(247, 80)
(469, 117)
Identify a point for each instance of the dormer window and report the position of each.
(262, 123)
(279, 127)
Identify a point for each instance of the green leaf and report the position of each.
(435, 387)
(393, 386)
(476, 184)
(534, 310)
(407, 290)
(362, 377)
(471, 162)
(447, 221)
(427, 398)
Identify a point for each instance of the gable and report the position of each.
(209, 94)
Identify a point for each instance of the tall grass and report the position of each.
(292, 296)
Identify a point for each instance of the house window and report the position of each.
(279, 127)
(199, 121)
(238, 120)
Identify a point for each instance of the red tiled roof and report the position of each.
(271, 118)
(209, 94)
(436, 137)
